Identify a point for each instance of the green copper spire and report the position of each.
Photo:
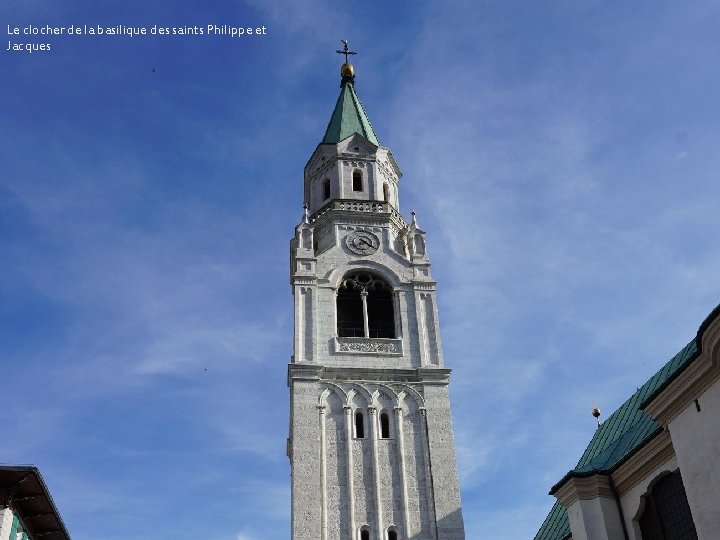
(349, 116)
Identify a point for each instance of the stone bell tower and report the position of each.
(371, 444)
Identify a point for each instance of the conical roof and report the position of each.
(349, 117)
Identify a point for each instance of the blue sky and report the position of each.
(562, 155)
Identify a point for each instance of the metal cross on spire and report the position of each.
(345, 50)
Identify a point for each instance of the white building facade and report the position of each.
(652, 470)
(371, 444)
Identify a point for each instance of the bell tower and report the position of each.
(371, 444)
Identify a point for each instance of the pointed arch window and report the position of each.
(326, 189)
(365, 307)
(357, 182)
(364, 533)
(667, 513)
(392, 534)
(386, 192)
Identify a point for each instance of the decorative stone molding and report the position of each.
(424, 286)
(700, 375)
(646, 460)
(406, 378)
(378, 208)
(382, 346)
(585, 488)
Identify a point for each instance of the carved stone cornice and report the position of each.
(316, 372)
(584, 488)
(695, 379)
(643, 462)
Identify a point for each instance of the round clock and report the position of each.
(362, 242)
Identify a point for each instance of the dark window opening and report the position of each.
(326, 189)
(667, 513)
(384, 425)
(360, 294)
(381, 323)
(359, 425)
(386, 193)
(364, 534)
(392, 535)
(357, 181)
(350, 313)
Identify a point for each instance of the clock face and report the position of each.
(362, 242)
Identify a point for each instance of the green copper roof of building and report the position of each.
(349, 117)
(622, 434)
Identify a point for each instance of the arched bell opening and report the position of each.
(365, 307)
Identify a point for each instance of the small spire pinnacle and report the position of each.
(306, 216)
(414, 217)
(347, 71)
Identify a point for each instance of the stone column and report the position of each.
(323, 476)
(428, 473)
(400, 440)
(422, 328)
(350, 474)
(591, 507)
(376, 470)
(366, 325)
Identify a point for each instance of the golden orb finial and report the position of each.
(347, 70)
